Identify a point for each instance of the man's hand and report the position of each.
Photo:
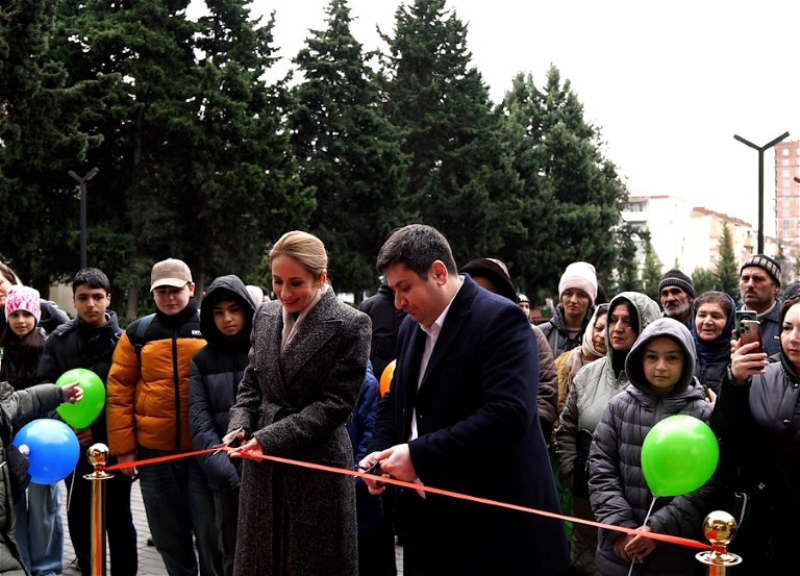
(125, 459)
(396, 461)
(367, 463)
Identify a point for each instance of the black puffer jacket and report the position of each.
(214, 380)
(386, 320)
(759, 425)
(618, 489)
(78, 345)
(558, 335)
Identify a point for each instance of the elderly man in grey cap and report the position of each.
(759, 284)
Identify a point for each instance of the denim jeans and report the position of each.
(40, 530)
(179, 504)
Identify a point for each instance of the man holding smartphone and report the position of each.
(759, 284)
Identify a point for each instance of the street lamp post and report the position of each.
(761, 150)
(82, 182)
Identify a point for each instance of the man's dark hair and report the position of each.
(416, 246)
(92, 277)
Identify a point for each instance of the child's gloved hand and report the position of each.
(72, 392)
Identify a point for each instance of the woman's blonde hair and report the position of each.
(305, 248)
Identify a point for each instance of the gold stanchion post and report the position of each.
(719, 528)
(97, 454)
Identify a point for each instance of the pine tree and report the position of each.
(349, 152)
(571, 195)
(196, 150)
(704, 280)
(460, 178)
(240, 169)
(652, 271)
(41, 138)
(627, 267)
(727, 268)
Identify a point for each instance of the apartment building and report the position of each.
(787, 192)
(688, 237)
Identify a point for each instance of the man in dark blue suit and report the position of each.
(461, 415)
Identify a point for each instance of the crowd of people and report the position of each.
(482, 402)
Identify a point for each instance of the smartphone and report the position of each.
(744, 315)
(751, 332)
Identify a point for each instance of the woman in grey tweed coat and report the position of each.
(308, 359)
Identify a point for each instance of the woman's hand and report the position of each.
(746, 362)
(252, 447)
(235, 437)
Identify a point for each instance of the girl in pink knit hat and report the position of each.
(21, 342)
(39, 528)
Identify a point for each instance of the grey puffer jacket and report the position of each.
(594, 385)
(618, 489)
(17, 408)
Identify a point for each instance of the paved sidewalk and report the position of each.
(150, 563)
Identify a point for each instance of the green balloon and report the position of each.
(85, 411)
(679, 455)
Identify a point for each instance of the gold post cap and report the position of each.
(97, 455)
(719, 528)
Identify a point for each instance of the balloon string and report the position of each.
(415, 486)
(646, 518)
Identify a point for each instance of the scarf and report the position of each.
(707, 351)
(292, 322)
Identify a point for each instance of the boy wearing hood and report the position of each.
(660, 368)
(226, 320)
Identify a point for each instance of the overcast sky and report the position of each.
(669, 83)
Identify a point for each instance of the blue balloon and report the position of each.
(53, 449)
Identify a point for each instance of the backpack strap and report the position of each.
(138, 336)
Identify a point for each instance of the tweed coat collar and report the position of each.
(318, 327)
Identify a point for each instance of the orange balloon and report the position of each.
(386, 377)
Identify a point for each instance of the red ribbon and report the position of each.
(415, 486)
